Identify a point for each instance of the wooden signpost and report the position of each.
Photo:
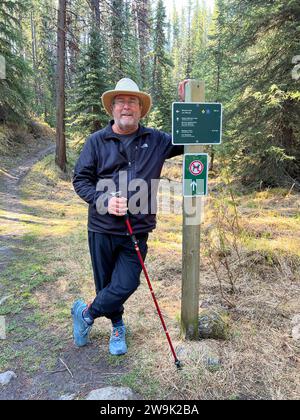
(195, 123)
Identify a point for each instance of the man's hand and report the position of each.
(181, 90)
(117, 206)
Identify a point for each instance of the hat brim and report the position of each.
(108, 97)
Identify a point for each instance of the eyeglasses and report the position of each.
(121, 102)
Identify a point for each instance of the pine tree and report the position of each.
(44, 62)
(176, 45)
(13, 92)
(183, 43)
(188, 44)
(206, 39)
(162, 84)
(85, 112)
(160, 58)
(117, 46)
(199, 37)
(141, 11)
(123, 46)
(263, 118)
(132, 67)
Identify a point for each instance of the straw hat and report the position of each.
(127, 87)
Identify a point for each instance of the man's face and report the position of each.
(126, 111)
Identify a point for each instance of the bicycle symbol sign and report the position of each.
(196, 167)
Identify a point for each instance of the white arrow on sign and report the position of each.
(194, 186)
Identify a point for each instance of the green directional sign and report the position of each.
(196, 123)
(195, 174)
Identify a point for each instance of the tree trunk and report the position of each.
(212, 158)
(60, 157)
(34, 59)
(96, 12)
(142, 15)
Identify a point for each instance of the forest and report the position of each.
(246, 52)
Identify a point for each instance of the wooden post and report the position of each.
(195, 92)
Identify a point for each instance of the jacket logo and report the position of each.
(145, 146)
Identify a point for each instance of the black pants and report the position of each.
(116, 270)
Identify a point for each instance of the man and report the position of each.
(120, 154)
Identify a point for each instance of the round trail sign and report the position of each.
(196, 167)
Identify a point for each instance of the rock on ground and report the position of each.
(193, 353)
(213, 325)
(6, 377)
(68, 397)
(111, 393)
(296, 327)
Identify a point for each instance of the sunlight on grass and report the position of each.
(276, 224)
(37, 225)
(271, 193)
(282, 245)
(55, 208)
(158, 244)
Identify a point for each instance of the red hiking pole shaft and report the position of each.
(134, 240)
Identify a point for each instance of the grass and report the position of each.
(136, 379)
(258, 360)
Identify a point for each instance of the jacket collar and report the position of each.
(110, 134)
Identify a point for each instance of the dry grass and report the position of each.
(261, 359)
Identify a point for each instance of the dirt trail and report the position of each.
(89, 368)
(10, 202)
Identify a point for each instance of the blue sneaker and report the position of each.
(117, 343)
(81, 328)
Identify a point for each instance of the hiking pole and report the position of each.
(136, 246)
